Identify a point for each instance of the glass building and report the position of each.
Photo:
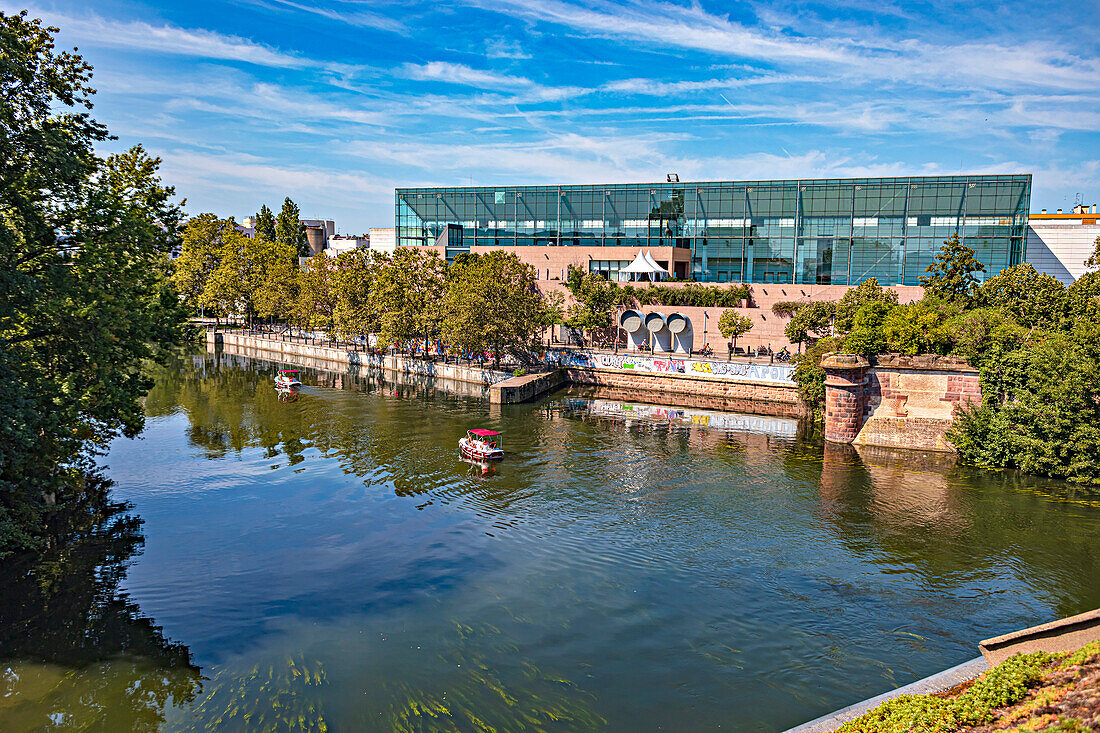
(828, 231)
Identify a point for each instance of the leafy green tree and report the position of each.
(951, 276)
(84, 291)
(810, 377)
(407, 295)
(265, 223)
(492, 304)
(1040, 408)
(200, 254)
(316, 308)
(594, 300)
(230, 288)
(866, 335)
(732, 325)
(811, 321)
(290, 230)
(1035, 299)
(276, 279)
(352, 283)
(917, 328)
(868, 291)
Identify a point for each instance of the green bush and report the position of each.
(519, 372)
(918, 328)
(1005, 684)
(810, 377)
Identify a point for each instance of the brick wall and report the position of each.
(759, 399)
(899, 402)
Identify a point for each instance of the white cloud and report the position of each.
(450, 73)
(94, 30)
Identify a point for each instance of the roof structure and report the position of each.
(643, 264)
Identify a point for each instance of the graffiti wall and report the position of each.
(740, 371)
(681, 416)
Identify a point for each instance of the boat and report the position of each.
(481, 445)
(287, 379)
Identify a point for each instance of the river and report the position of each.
(331, 564)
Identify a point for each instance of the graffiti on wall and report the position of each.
(740, 371)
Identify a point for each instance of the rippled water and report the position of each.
(624, 568)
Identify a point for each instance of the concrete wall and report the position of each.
(755, 398)
(292, 350)
(525, 388)
(898, 402)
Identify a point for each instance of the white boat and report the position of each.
(481, 445)
(287, 379)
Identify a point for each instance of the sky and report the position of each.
(336, 102)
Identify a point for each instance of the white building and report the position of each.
(1058, 244)
(383, 239)
(338, 243)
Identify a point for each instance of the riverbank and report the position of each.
(741, 386)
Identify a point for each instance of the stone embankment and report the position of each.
(764, 389)
(898, 401)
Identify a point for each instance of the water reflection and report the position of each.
(628, 566)
(74, 648)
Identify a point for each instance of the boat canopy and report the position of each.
(482, 432)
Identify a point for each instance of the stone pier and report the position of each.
(898, 401)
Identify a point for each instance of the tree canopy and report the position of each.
(84, 292)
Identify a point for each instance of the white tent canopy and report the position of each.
(644, 264)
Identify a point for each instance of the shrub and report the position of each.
(918, 328)
(786, 308)
(868, 291)
(810, 377)
(519, 372)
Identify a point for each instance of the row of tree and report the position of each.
(1035, 341)
(480, 303)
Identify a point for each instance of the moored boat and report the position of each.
(481, 445)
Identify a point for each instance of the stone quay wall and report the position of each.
(290, 350)
(898, 401)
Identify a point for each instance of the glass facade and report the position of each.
(829, 232)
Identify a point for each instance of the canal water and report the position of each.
(331, 564)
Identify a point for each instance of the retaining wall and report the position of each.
(267, 346)
(897, 402)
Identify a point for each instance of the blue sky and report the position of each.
(336, 102)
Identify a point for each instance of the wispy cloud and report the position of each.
(451, 73)
(96, 31)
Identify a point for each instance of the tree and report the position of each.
(951, 276)
(594, 300)
(917, 328)
(84, 291)
(732, 324)
(352, 283)
(407, 294)
(276, 279)
(811, 321)
(868, 291)
(492, 305)
(265, 223)
(1033, 298)
(317, 295)
(290, 230)
(200, 254)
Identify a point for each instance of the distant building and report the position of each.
(339, 243)
(1058, 244)
(835, 232)
(318, 232)
(383, 239)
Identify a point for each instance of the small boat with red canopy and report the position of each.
(287, 379)
(481, 445)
